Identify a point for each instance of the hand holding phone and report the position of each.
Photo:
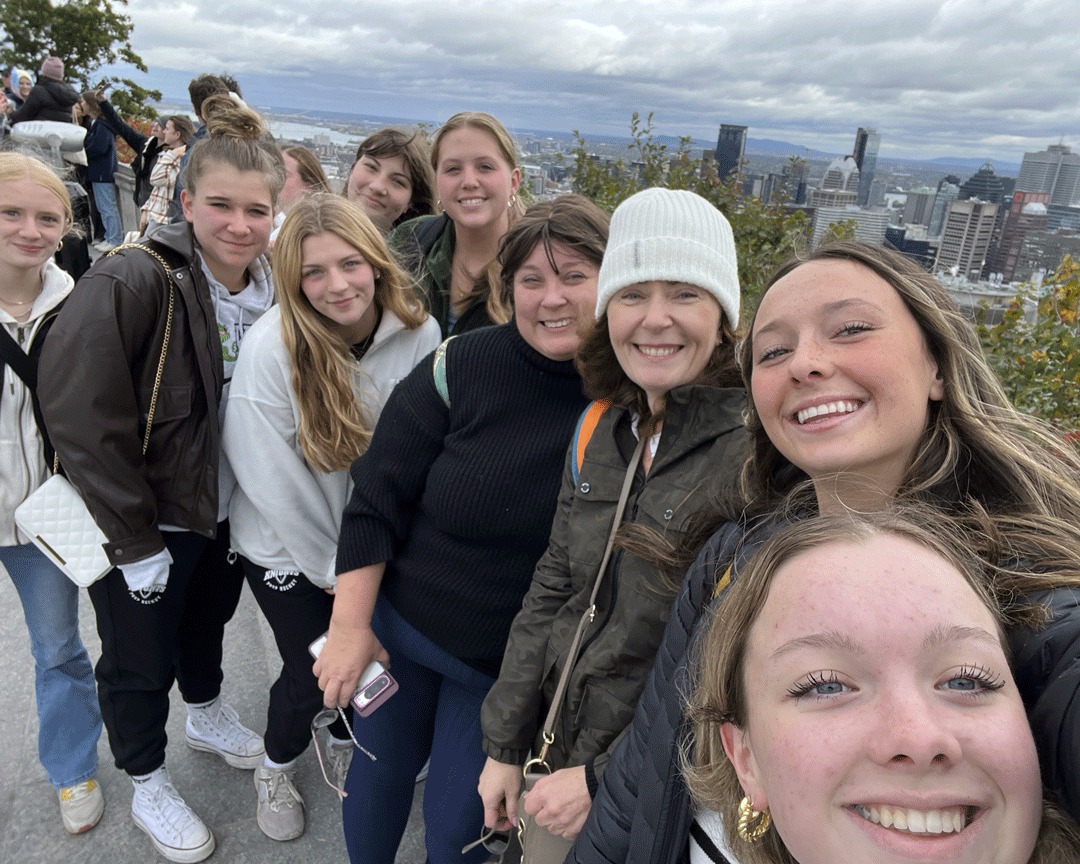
(376, 685)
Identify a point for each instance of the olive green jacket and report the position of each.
(701, 449)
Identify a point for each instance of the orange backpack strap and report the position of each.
(586, 425)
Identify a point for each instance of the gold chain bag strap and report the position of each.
(538, 845)
(55, 517)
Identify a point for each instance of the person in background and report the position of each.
(303, 176)
(453, 255)
(35, 212)
(146, 147)
(25, 86)
(11, 92)
(309, 387)
(176, 134)
(51, 98)
(860, 723)
(161, 611)
(391, 179)
(450, 510)
(101, 165)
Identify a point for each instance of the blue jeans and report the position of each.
(109, 210)
(436, 712)
(69, 721)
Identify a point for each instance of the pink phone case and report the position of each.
(372, 694)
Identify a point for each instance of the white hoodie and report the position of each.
(22, 459)
(286, 515)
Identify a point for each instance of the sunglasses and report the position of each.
(323, 720)
(495, 842)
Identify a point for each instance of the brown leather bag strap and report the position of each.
(588, 616)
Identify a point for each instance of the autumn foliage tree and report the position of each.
(1038, 361)
(86, 35)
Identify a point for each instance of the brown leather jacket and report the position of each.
(96, 382)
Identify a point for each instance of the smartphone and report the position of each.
(376, 684)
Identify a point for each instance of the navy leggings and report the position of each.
(435, 712)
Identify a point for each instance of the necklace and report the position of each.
(18, 302)
(359, 349)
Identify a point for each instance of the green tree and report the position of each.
(842, 230)
(85, 34)
(765, 234)
(1038, 361)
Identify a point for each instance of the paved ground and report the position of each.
(30, 828)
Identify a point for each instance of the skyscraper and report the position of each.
(867, 142)
(1055, 170)
(984, 185)
(965, 237)
(730, 149)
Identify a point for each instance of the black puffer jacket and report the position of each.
(642, 811)
(110, 332)
(47, 100)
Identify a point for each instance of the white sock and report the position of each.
(151, 781)
(278, 766)
(203, 706)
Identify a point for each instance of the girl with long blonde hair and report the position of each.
(308, 389)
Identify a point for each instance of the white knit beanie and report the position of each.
(670, 235)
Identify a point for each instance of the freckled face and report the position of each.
(883, 723)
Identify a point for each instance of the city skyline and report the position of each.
(972, 78)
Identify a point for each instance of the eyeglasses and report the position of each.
(324, 719)
(495, 842)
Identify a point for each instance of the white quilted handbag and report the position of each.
(55, 518)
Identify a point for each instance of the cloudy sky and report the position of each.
(977, 78)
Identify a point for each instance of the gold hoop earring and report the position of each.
(752, 823)
(60, 245)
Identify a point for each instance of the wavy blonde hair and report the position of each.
(720, 694)
(333, 429)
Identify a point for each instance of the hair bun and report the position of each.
(227, 115)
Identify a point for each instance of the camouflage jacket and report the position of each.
(700, 451)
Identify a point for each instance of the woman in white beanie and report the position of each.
(660, 364)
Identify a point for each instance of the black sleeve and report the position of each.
(1047, 668)
(110, 118)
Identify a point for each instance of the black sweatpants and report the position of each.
(298, 613)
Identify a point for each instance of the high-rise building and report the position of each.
(984, 184)
(870, 225)
(946, 194)
(919, 207)
(965, 237)
(867, 142)
(1026, 214)
(730, 149)
(1055, 170)
(840, 185)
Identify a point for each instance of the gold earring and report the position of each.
(748, 816)
(60, 245)
(512, 201)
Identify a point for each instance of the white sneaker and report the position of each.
(338, 759)
(217, 729)
(280, 812)
(104, 246)
(173, 828)
(81, 806)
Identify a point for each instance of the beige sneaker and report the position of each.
(280, 813)
(81, 806)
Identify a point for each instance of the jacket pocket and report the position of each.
(173, 403)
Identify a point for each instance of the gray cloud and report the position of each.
(978, 78)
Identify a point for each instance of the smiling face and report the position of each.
(339, 283)
(25, 86)
(663, 334)
(842, 378)
(32, 221)
(882, 721)
(232, 214)
(381, 187)
(552, 304)
(475, 182)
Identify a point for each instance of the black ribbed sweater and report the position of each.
(459, 501)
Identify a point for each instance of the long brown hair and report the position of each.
(333, 430)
